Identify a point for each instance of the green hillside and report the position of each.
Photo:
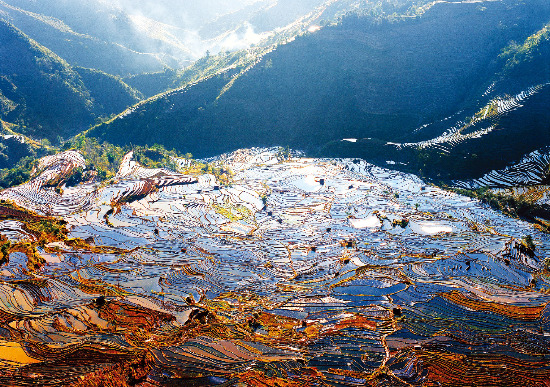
(128, 38)
(511, 119)
(363, 78)
(46, 97)
(86, 33)
(109, 93)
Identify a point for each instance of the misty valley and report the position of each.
(275, 193)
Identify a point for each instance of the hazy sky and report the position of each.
(191, 15)
(183, 13)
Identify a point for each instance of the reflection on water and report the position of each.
(312, 272)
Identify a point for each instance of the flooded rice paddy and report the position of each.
(302, 272)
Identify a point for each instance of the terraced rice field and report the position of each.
(303, 272)
(480, 124)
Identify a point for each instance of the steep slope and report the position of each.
(511, 120)
(89, 34)
(244, 36)
(39, 84)
(126, 38)
(359, 79)
(109, 93)
(45, 96)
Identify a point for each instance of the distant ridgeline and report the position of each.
(447, 90)
(58, 57)
(450, 93)
(45, 97)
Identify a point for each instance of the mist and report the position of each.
(182, 14)
(175, 32)
(179, 24)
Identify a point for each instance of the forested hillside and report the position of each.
(84, 34)
(46, 97)
(432, 88)
(127, 38)
(275, 193)
(363, 78)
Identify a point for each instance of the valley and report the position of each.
(274, 193)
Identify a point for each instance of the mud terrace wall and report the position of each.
(302, 272)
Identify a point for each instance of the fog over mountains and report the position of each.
(286, 193)
(163, 33)
(425, 85)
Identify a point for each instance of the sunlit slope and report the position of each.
(126, 38)
(360, 79)
(84, 34)
(45, 96)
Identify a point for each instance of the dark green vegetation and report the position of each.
(393, 72)
(377, 80)
(125, 38)
(14, 148)
(57, 58)
(46, 97)
(19, 174)
(86, 33)
(109, 94)
(151, 84)
(103, 160)
(36, 83)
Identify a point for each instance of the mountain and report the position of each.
(511, 120)
(382, 81)
(58, 57)
(127, 38)
(45, 96)
(244, 36)
(312, 257)
(78, 31)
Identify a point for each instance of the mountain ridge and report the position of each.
(348, 81)
(47, 97)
